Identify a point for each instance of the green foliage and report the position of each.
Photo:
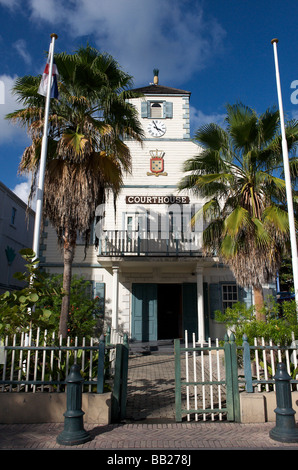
(286, 276)
(24, 308)
(38, 304)
(85, 315)
(281, 321)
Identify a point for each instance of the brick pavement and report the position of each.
(151, 387)
(150, 423)
(145, 436)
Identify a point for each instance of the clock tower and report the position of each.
(164, 116)
(164, 111)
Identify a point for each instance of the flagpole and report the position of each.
(287, 176)
(40, 187)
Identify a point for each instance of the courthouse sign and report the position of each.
(157, 200)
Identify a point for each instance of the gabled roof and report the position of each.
(160, 90)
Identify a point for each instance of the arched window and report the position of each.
(156, 110)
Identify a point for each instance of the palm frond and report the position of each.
(237, 220)
(277, 218)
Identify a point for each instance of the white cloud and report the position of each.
(172, 35)
(51, 11)
(9, 3)
(21, 48)
(198, 118)
(9, 132)
(22, 190)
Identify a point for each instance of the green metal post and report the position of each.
(101, 366)
(124, 376)
(229, 379)
(231, 367)
(74, 432)
(177, 350)
(235, 387)
(247, 365)
(285, 429)
(116, 395)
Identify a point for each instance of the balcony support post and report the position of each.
(200, 300)
(115, 298)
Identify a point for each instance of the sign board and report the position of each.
(157, 200)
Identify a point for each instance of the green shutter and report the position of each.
(215, 298)
(144, 312)
(144, 109)
(168, 109)
(190, 309)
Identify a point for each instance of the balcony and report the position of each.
(145, 243)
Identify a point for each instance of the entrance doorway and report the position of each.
(169, 311)
(163, 311)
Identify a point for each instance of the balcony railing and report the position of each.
(145, 243)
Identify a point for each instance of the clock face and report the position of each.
(156, 128)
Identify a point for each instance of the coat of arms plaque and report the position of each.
(157, 163)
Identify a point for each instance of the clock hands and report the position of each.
(157, 128)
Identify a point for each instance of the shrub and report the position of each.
(85, 315)
(38, 304)
(281, 321)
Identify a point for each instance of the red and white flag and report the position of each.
(42, 90)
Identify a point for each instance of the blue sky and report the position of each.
(220, 50)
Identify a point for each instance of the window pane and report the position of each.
(13, 215)
(229, 295)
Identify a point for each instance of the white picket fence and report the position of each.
(266, 357)
(43, 362)
(204, 366)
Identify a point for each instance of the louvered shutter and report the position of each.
(168, 109)
(215, 298)
(144, 109)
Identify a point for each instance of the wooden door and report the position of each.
(144, 312)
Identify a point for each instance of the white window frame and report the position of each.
(229, 293)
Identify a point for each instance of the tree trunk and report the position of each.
(68, 254)
(259, 303)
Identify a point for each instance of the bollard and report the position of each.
(285, 429)
(74, 432)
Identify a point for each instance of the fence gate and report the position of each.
(206, 381)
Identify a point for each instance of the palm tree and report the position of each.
(86, 156)
(239, 176)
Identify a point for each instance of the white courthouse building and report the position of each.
(149, 266)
